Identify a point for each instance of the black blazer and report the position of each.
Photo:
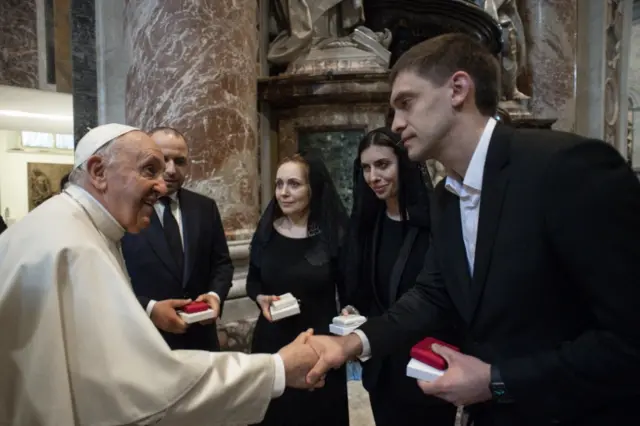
(554, 300)
(390, 371)
(208, 267)
(3, 226)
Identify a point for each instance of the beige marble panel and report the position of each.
(350, 116)
(193, 68)
(62, 35)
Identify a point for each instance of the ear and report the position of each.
(96, 169)
(462, 87)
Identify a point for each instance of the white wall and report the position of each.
(13, 173)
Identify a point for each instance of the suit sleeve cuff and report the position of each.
(150, 306)
(214, 294)
(280, 379)
(366, 347)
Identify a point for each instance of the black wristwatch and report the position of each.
(498, 389)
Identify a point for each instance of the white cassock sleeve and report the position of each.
(122, 372)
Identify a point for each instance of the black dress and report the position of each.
(285, 268)
(395, 398)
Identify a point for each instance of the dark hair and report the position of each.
(438, 58)
(414, 190)
(410, 176)
(327, 215)
(168, 130)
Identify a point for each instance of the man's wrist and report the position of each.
(352, 345)
(499, 392)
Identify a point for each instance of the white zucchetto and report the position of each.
(96, 138)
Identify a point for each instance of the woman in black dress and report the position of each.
(389, 234)
(295, 250)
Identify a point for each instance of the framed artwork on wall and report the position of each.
(44, 181)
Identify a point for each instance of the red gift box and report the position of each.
(194, 307)
(422, 352)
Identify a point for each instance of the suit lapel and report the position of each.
(494, 183)
(401, 261)
(373, 263)
(452, 250)
(190, 221)
(157, 240)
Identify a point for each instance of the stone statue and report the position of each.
(320, 36)
(514, 58)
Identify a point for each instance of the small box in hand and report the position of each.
(425, 364)
(285, 306)
(195, 312)
(345, 324)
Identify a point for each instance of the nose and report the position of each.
(170, 167)
(399, 123)
(160, 187)
(374, 175)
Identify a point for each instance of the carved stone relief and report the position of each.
(613, 47)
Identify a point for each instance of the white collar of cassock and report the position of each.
(103, 220)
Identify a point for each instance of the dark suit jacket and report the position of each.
(3, 226)
(553, 302)
(388, 374)
(208, 267)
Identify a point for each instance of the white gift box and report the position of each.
(196, 316)
(421, 371)
(286, 306)
(345, 324)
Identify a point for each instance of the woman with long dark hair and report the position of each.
(389, 234)
(295, 250)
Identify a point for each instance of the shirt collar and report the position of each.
(174, 198)
(475, 171)
(98, 214)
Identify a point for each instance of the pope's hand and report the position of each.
(165, 317)
(298, 358)
(214, 304)
(465, 382)
(333, 352)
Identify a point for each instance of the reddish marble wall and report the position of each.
(551, 28)
(193, 68)
(18, 43)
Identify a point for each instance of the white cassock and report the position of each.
(76, 348)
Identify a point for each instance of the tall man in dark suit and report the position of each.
(182, 256)
(535, 256)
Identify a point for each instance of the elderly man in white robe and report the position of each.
(76, 348)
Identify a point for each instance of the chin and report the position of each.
(141, 224)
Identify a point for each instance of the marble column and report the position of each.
(550, 30)
(19, 43)
(193, 67)
(83, 51)
(112, 61)
(603, 59)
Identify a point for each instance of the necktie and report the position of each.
(172, 233)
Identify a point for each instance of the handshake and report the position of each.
(308, 358)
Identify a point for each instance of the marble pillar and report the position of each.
(633, 82)
(193, 67)
(550, 31)
(603, 59)
(62, 36)
(112, 61)
(19, 43)
(83, 51)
